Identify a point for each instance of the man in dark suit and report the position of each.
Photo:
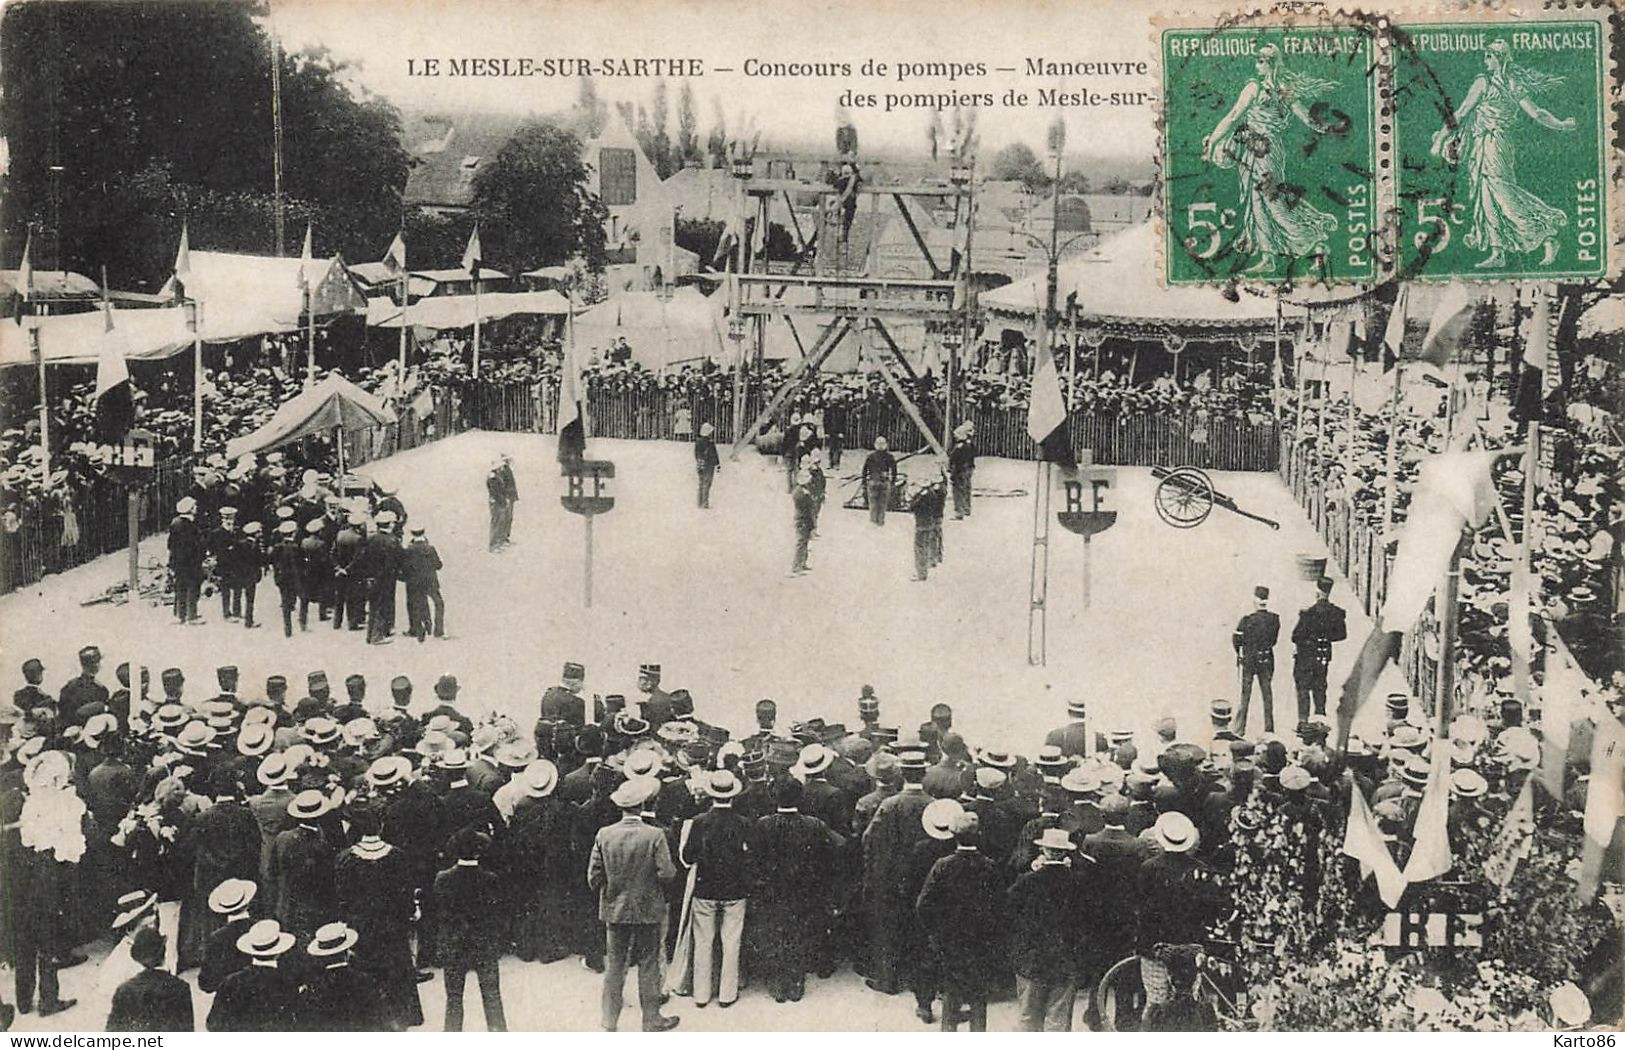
(805, 520)
(797, 860)
(961, 465)
(961, 908)
(263, 996)
(83, 691)
(445, 690)
(469, 922)
(564, 702)
(383, 561)
(1254, 641)
(706, 463)
(152, 1000)
(287, 572)
(720, 847)
(1317, 628)
(888, 843)
(1049, 922)
(339, 997)
(31, 696)
(221, 956)
(630, 861)
(420, 568)
(1072, 738)
(349, 584)
(186, 553)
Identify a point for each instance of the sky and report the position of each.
(381, 38)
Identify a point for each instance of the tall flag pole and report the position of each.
(1393, 344)
(25, 282)
(571, 422)
(183, 273)
(471, 263)
(114, 399)
(306, 258)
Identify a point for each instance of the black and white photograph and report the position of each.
(702, 516)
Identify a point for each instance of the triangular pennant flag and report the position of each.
(1393, 334)
(114, 399)
(395, 257)
(1046, 412)
(1537, 341)
(1453, 491)
(572, 431)
(25, 270)
(306, 257)
(183, 264)
(1563, 691)
(1430, 850)
(1515, 839)
(472, 253)
(1363, 842)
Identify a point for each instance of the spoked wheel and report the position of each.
(1184, 497)
(1120, 997)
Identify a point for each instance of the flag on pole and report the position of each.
(1605, 802)
(1564, 693)
(1453, 492)
(1393, 333)
(25, 277)
(183, 264)
(1447, 327)
(1537, 344)
(1430, 849)
(572, 429)
(395, 257)
(1364, 842)
(115, 398)
(1046, 413)
(1515, 839)
(472, 254)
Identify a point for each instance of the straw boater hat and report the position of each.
(320, 731)
(195, 737)
(274, 770)
(814, 759)
(232, 896)
(540, 778)
(1468, 783)
(635, 792)
(335, 938)
(1055, 838)
(391, 769)
(939, 817)
(996, 759)
(722, 784)
(255, 740)
(307, 805)
(644, 762)
(132, 906)
(265, 940)
(1174, 832)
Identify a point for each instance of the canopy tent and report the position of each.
(76, 339)
(248, 295)
(661, 332)
(457, 311)
(1119, 282)
(334, 402)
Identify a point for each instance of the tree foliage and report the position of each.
(1017, 162)
(535, 202)
(159, 112)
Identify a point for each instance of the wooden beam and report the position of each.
(924, 284)
(825, 345)
(854, 308)
(910, 409)
(925, 249)
(768, 187)
(896, 350)
(795, 224)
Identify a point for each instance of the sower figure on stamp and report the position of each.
(1254, 641)
(1317, 628)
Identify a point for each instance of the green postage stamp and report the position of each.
(1378, 145)
(1269, 153)
(1501, 130)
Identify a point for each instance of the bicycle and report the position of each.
(1120, 998)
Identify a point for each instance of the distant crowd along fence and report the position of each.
(77, 527)
(1357, 549)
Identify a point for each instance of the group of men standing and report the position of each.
(345, 556)
(1254, 639)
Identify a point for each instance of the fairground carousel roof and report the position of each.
(1118, 284)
